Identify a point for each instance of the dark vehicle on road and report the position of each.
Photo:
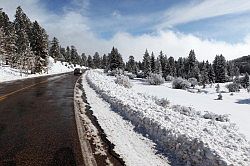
(77, 71)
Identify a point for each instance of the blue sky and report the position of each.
(230, 28)
(209, 27)
(142, 16)
(105, 14)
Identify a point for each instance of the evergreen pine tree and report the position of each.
(211, 74)
(1, 18)
(67, 55)
(90, 61)
(24, 59)
(236, 71)
(84, 60)
(131, 65)
(21, 35)
(164, 62)
(121, 64)
(180, 68)
(39, 46)
(74, 57)
(146, 64)
(8, 44)
(54, 50)
(136, 71)
(230, 69)
(140, 65)
(192, 64)
(2, 52)
(115, 60)
(166, 70)
(245, 81)
(97, 60)
(19, 22)
(104, 61)
(172, 68)
(158, 66)
(204, 74)
(161, 59)
(219, 66)
(63, 54)
(23, 22)
(152, 61)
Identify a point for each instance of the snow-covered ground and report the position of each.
(193, 139)
(236, 105)
(134, 148)
(9, 74)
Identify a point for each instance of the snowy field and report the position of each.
(195, 140)
(236, 105)
(9, 74)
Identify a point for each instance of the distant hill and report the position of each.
(243, 63)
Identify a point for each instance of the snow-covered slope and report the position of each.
(236, 105)
(197, 141)
(9, 74)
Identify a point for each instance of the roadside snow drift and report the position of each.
(134, 149)
(195, 140)
(235, 105)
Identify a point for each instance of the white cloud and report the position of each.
(178, 45)
(197, 10)
(72, 28)
(32, 8)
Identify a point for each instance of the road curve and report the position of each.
(37, 122)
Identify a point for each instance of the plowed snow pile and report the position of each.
(196, 140)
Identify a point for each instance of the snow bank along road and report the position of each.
(96, 148)
(195, 140)
(133, 148)
(37, 122)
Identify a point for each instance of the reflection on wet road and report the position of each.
(37, 124)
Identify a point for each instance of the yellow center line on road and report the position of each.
(14, 92)
(2, 98)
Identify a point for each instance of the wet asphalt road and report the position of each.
(37, 123)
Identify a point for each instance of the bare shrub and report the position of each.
(216, 117)
(123, 81)
(164, 102)
(169, 78)
(155, 79)
(115, 72)
(130, 75)
(180, 83)
(193, 82)
(233, 87)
